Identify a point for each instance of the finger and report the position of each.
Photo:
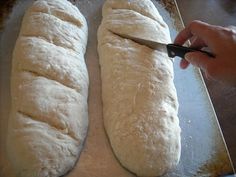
(183, 36)
(198, 59)
(200, 29)
(184, 64)
(197, 43)
(192, 39)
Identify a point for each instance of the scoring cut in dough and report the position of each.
(49, 90)
(139, 97)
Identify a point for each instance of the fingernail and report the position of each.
(187, 56)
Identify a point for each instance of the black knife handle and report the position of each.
(180, 51)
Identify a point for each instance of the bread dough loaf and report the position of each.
(49, 88)
(139, 97)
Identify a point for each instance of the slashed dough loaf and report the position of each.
(49, 89)
(139, 98)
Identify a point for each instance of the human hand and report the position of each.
(221, 42)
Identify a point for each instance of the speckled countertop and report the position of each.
(218, 12)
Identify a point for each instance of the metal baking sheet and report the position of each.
(204, 152)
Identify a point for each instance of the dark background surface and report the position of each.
(217, 12)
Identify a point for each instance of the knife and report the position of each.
(172, 50)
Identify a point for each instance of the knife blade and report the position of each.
(172, 50)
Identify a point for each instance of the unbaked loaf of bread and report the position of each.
(139, 97)
(49, 89)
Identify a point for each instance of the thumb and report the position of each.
(198, 59)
